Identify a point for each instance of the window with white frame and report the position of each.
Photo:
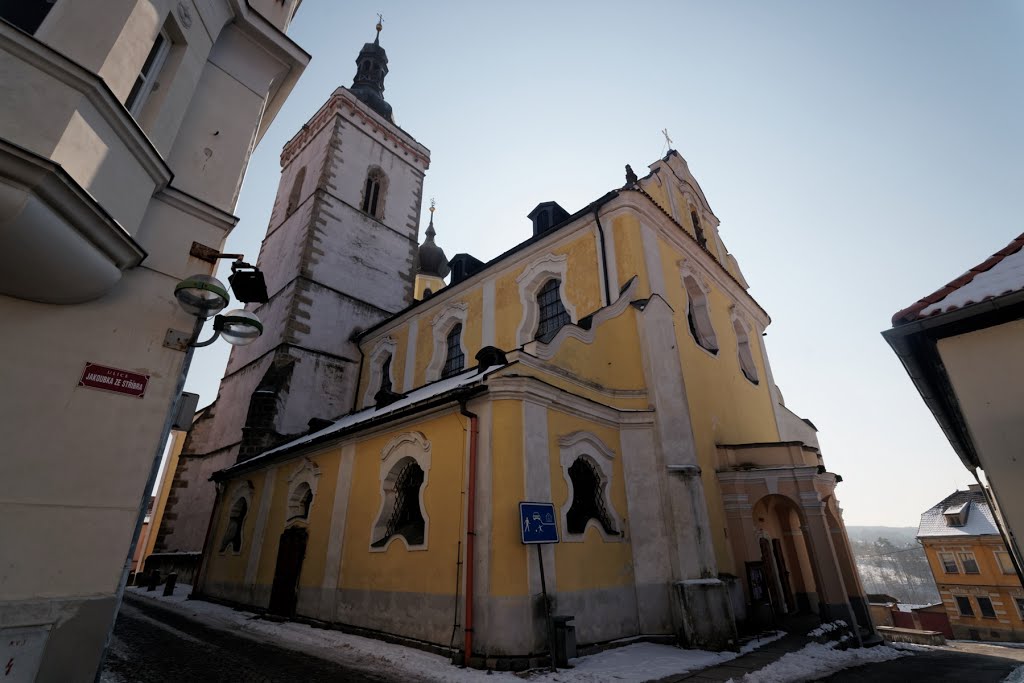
(296, 193)
(455, 358)
(552, 313)
(746, 356)
(985, 607)
(588, 469)
(969, 564)
(698, 315)
(963, 605)
(379, 361)
(949, 565)
(1005, 563)
(374, 191)
(405, 466)
(302, 486)
(147, 78)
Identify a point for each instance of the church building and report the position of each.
(371, 450)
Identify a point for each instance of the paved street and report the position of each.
(960, 662)
(156, 646)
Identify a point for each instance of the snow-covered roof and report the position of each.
(420, 395)
(979, 520)
(1000, 274)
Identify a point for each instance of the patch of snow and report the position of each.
(1004, 277)
(629, 664)
(829, 627)
(816, 661)
(1016, 676)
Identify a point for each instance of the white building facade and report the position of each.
(124, 141)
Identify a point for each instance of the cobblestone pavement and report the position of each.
(959, 662)
(151, 645)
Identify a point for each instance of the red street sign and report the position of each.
(112, 379)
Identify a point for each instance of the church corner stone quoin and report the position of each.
(612, 364)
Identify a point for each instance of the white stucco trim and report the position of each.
(383, 348)
(588, 445)
(260, 530)
(547, 351)
(702, 318)
(652, 259)
(306, 472)
(410, 356)
(240, 490)
(610, 260)
(537, 478)
(530, 282)
(487, 331)
(452, 314)
(336, 539)
(408, 445)
(740, 326)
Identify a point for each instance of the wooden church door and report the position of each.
(285, 591)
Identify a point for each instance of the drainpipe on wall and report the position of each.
(470, 527)
(604, 257)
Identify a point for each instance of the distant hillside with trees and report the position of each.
(891, 561)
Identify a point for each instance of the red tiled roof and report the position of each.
(913, 312)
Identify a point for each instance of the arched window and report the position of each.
(402, 493)
(746, 357)
(374, 191)
(697, 315)
(588, 496)
(236, 520)
(552, 312)
(300, 502)
(385, 374)
(455, 360)
(698, 231)
(296, 193)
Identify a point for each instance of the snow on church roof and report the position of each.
(1002, 273)
(979, 517)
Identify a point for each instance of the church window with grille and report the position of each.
(403, 493)
(236, 520)
(698, 231)
(698, 317)
(553, 315)
(455, 361)
(588, 498)
(373, 193)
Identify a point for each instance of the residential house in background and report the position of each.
(961, 346)
(973, 571)
(126, 131)
(612, 363)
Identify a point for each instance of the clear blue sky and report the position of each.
(859, 156)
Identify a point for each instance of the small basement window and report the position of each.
(963, 604)
(402, 493)
(588, 493)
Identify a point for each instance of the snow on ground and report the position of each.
(1016, 676)
(816, 660)
(629, 664)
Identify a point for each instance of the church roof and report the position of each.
(430, 258)
(368, 84)
(979, 520)
(1002, 273)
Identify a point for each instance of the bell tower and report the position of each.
(338, 257)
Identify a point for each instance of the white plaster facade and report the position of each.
(99, 212)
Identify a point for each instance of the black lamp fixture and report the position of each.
(247, 282)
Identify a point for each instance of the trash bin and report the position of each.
(565, 639)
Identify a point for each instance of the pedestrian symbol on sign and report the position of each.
(537, 523)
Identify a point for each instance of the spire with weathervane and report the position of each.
(431, 265)
(372, 67)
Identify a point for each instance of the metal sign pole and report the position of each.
(547, 608)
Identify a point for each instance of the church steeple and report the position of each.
(372, 67)
(431, 264)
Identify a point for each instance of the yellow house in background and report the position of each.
(972, 568)
(613, 365)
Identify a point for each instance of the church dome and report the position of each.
(430, 258)
(368, 85)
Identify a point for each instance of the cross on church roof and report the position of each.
(668, 140)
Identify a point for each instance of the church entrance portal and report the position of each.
(285, 591)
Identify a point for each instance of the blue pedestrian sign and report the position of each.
(537, 523)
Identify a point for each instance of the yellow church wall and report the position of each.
(593, 563)
(629, 255)
(275, 525)
(559, 381)
(508, 310)
(397, 568)
(228, 566)
(509, 557)
(319, 525)
(583, 284)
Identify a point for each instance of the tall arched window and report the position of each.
(385, 374)
(300, 502)
(456, 359)
(697, 315)
(746, 356)
(296, 193)
(698, 231)
(402, 494)
(374, 190)
(236, 521)
(552, 312)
